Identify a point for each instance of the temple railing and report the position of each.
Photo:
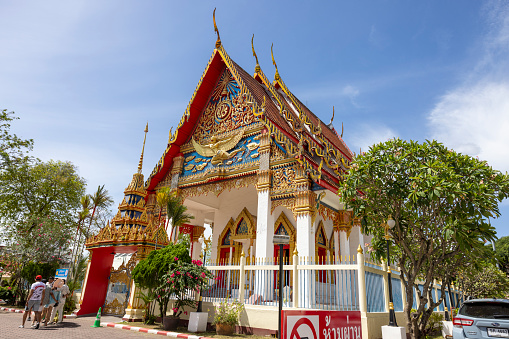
(343, 284)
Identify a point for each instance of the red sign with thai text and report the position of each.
(321, 324)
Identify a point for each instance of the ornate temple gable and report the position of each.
(244, 226)
(226, 139)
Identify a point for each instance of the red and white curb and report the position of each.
(146, 330)
(16, 310)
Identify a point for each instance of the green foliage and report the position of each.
(70, 305)
(32, 269)
(435, 323)
(502, 253)
(441, 202)
(34, 189)
(180, 278)
(12, 148)
(175, 209)
(150, 271)
(7, 293)
(38, 201)
(228, 313)
(487, 281)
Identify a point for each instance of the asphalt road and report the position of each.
(69, 329)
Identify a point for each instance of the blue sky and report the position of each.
(86, 76)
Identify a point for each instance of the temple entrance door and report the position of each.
(119, 285)
(224, 260)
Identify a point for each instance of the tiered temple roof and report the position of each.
(303, 136)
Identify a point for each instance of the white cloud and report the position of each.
(473, 118)
(367, 135)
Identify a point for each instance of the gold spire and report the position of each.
(331, 119)
(218, 41)
(140, 164)
(257, 67)
(342, 129)
(276, 76)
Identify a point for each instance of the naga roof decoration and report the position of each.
(131, 225)
(294, 128)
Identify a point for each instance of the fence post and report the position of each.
(242, 277)
(363, 303)
(386, 286)
(295, 278)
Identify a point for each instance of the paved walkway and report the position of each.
(78, 328)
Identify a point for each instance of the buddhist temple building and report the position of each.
(250, 161)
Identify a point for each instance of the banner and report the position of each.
(321, 324)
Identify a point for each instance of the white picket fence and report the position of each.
(342, 284)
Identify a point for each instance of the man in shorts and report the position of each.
(34, 300)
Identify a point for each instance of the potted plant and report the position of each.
(227, 317)
(181, 278)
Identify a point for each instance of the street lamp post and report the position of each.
(392, 316)
(280, 239)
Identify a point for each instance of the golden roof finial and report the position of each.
(218, 41)
(257, 67)
(276, 76)
(342, 128)
(331, 119)
(140, 164)
(170, 137)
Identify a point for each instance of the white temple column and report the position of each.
(264, 226)
(264, 248)
(344, 244)
(305, 236)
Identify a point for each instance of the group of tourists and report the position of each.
(46, 298)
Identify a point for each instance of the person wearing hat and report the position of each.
(34, 300)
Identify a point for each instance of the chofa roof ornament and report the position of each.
(218, 41)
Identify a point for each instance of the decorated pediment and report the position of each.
(224, 137)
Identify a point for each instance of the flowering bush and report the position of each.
(182, 278)
(228, 313)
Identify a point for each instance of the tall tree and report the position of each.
(441, 202)
(12, 148)
(35, 188)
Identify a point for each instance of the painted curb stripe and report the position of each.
(152, 331)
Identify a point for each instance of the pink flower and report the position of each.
(176, 258)
(9, 287)
(185, 312)
(203, 274)
(178, 272)
(175, 309)
(172, 275)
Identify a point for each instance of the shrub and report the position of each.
(228, 313)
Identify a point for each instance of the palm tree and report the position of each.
(83, 214)
(176, 211)
(101, 200)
